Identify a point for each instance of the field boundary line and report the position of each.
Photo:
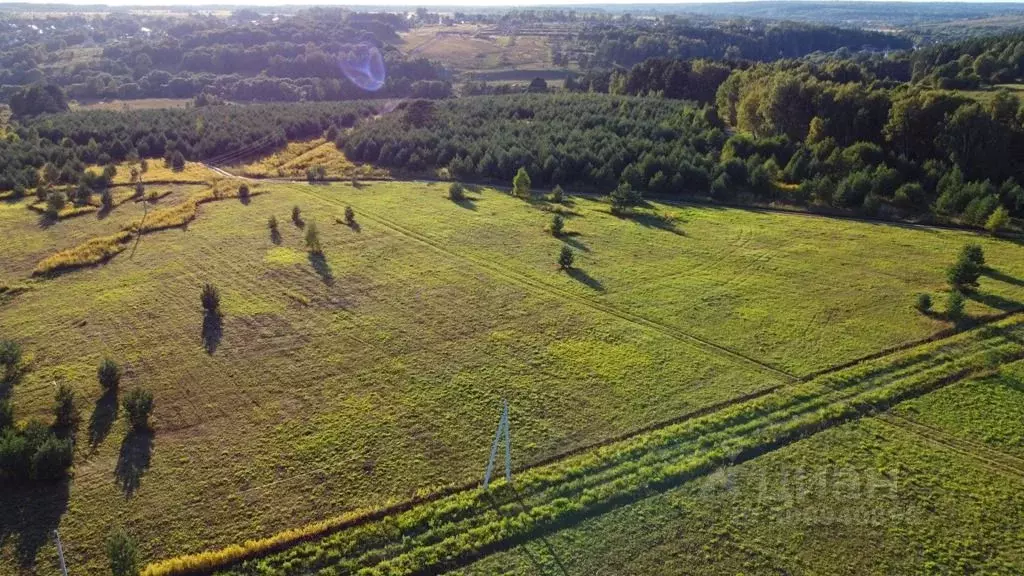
(985, 454)
(541, 286)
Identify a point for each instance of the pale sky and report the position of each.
(445, 3)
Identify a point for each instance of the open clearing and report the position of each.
(466, 47)
(356, 382)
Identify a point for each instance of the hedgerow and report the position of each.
(88, 253)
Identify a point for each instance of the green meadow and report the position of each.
(378, 372)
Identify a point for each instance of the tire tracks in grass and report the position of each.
(543, 287)
(985, 455)
(641, 467)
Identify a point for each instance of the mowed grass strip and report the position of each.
(444, 533)
(865, 497)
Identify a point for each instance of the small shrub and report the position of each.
(64, 411)
(456, 192)
(272, 223)
(924, 303)
(521, 183)
(998, 220)
(10, 353)
(964, 273)
(138, 404)
(55, 202)
(974, 254)
(557, 225)
(6, 415)
(955, 305)
(296, 215)
(566, 258)
(52, 458)
(558, 195)
(106, 200)
(243, 191)
(123, 554)
(177, 162)
(350, 215)
(210, 298)
(313, 239)
(109, 374)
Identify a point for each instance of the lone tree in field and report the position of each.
(138, 404)
(177, 162)
(313, 239)
(296, 215)
(64, 411)
(211, 300)
(566, 258)
(109, 374)
(456, 192)
(350, 216)
(557, 195)
(924, 303)
(521, 184)
(106, 201)
(557, 225)
(964, 274)
(998, 220)
(623, 198)
(243, 191)
(123, 554)
(55, 202)
(955, 306)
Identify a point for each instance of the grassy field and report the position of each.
(137, 104)
(871, 497)
(464, 47)
(360, 380)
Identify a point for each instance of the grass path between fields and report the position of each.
(449, 530)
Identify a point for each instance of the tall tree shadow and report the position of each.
(570, 239)
(46, 220)
(1003, 277)
(648, 220)
(993, 301)
(542, 567)
(28, 516)
(104, 413)
(213, 329)
(133, 460)
(586, 279)
(275, 236)
(466, 202)
(322, 267)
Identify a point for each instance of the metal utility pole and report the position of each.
(60, 553)
(503, 430)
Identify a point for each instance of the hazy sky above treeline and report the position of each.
(455, 3)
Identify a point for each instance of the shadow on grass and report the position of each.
(104, 413)
(1003, 277)
(466, 202)
(275, 237)
(46, 220)
(586, 279)
(322, 267)
(657, 221)
(245, 200)
(542, 567)
(354, 226)
(133, 460)
(993, 301)
(29, 513)
(213, 329)
(570, 238)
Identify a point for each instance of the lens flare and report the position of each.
(364, 66)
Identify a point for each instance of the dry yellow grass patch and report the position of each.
(182, 214)
(297, 157)
(69, 211)
(157, 173)
(86, 254)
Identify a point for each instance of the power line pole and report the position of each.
(503, 430)
(60, 553)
